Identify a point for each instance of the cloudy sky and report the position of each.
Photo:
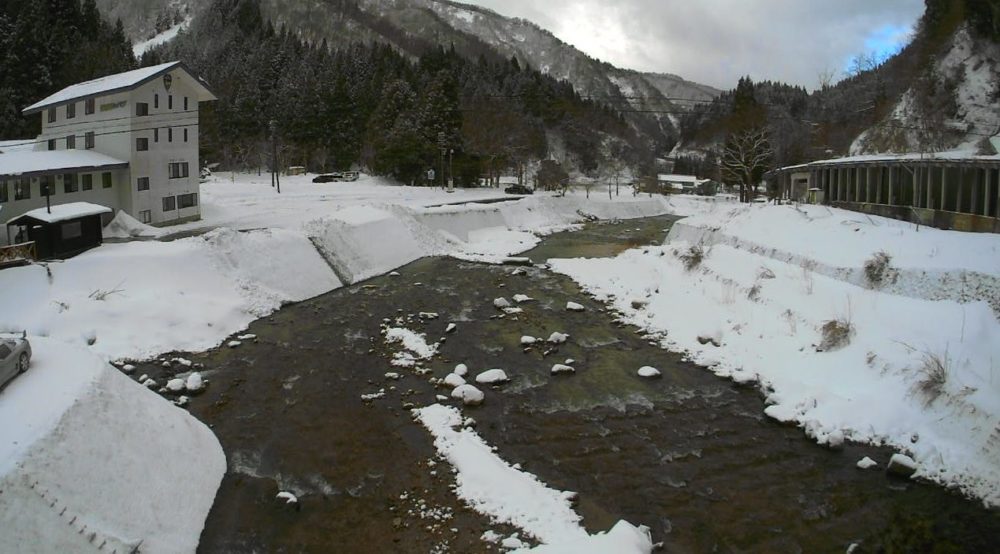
(716, 41)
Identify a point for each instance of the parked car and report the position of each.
(15, 356)
(518, 189)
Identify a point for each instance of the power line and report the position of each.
(186, 123)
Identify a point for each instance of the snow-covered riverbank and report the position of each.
(90, 459)
(136, 300)
(904, 353)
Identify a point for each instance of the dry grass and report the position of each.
(837, 334)
(692, 257)
(934, 371)
(877, 268)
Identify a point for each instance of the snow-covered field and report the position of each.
(918, 365)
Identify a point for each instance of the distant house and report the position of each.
(685, 184)
(677, 182)
(944, 190)
(125, 142)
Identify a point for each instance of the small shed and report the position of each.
(62, 231)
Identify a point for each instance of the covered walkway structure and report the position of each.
(960, 193)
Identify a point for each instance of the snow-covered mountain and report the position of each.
(952, 105)
(649, 99)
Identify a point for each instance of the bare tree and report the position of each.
(745, 159)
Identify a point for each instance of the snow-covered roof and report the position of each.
(41, 161)
(951, 156)
(62, 212)
(678, 178)
(16, 145)
(117, 83)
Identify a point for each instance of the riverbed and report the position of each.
(690, 455)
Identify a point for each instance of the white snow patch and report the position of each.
(492, 487)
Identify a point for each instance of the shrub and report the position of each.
(877, 268)
(836, 335)
(692, 257)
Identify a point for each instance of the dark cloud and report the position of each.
(717, 41)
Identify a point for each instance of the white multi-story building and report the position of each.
(127, 141)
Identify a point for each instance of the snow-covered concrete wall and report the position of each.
(93, 461)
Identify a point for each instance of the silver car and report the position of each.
(15, 355)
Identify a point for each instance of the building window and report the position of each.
(156, 135)
(106, 179)
(141, 109)
(88, 140)
(47, 185)
(156, 101)
(187, 200)
(88, 106)
(71, 230)
(185, 103)
(170, 101)
(87, 181)
(71, 142)
(170, 134)
(146, 216)
(142, 183)
(52, 144)
(52, 115)
(3, 191)
(185, 134)
(22, 189)
(70, 183)
(142, 144)
(169, 203)
(178, 170)
(71, 110)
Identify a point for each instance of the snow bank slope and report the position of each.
(925, 262)
(140, 299)
(493, 487)
(767, 309)
(95, 459)
(364, 241)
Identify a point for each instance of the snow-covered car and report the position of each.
(15, 356)
(329, 178)
(518, 189)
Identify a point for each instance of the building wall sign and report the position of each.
(113, 106)
(167, 81)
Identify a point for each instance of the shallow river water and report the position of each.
(690, 455)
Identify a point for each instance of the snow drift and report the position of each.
(92, 461)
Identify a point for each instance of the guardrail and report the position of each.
(22, 252)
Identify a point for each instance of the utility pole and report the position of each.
(275, 176)
(451, 170)
(441, 145)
